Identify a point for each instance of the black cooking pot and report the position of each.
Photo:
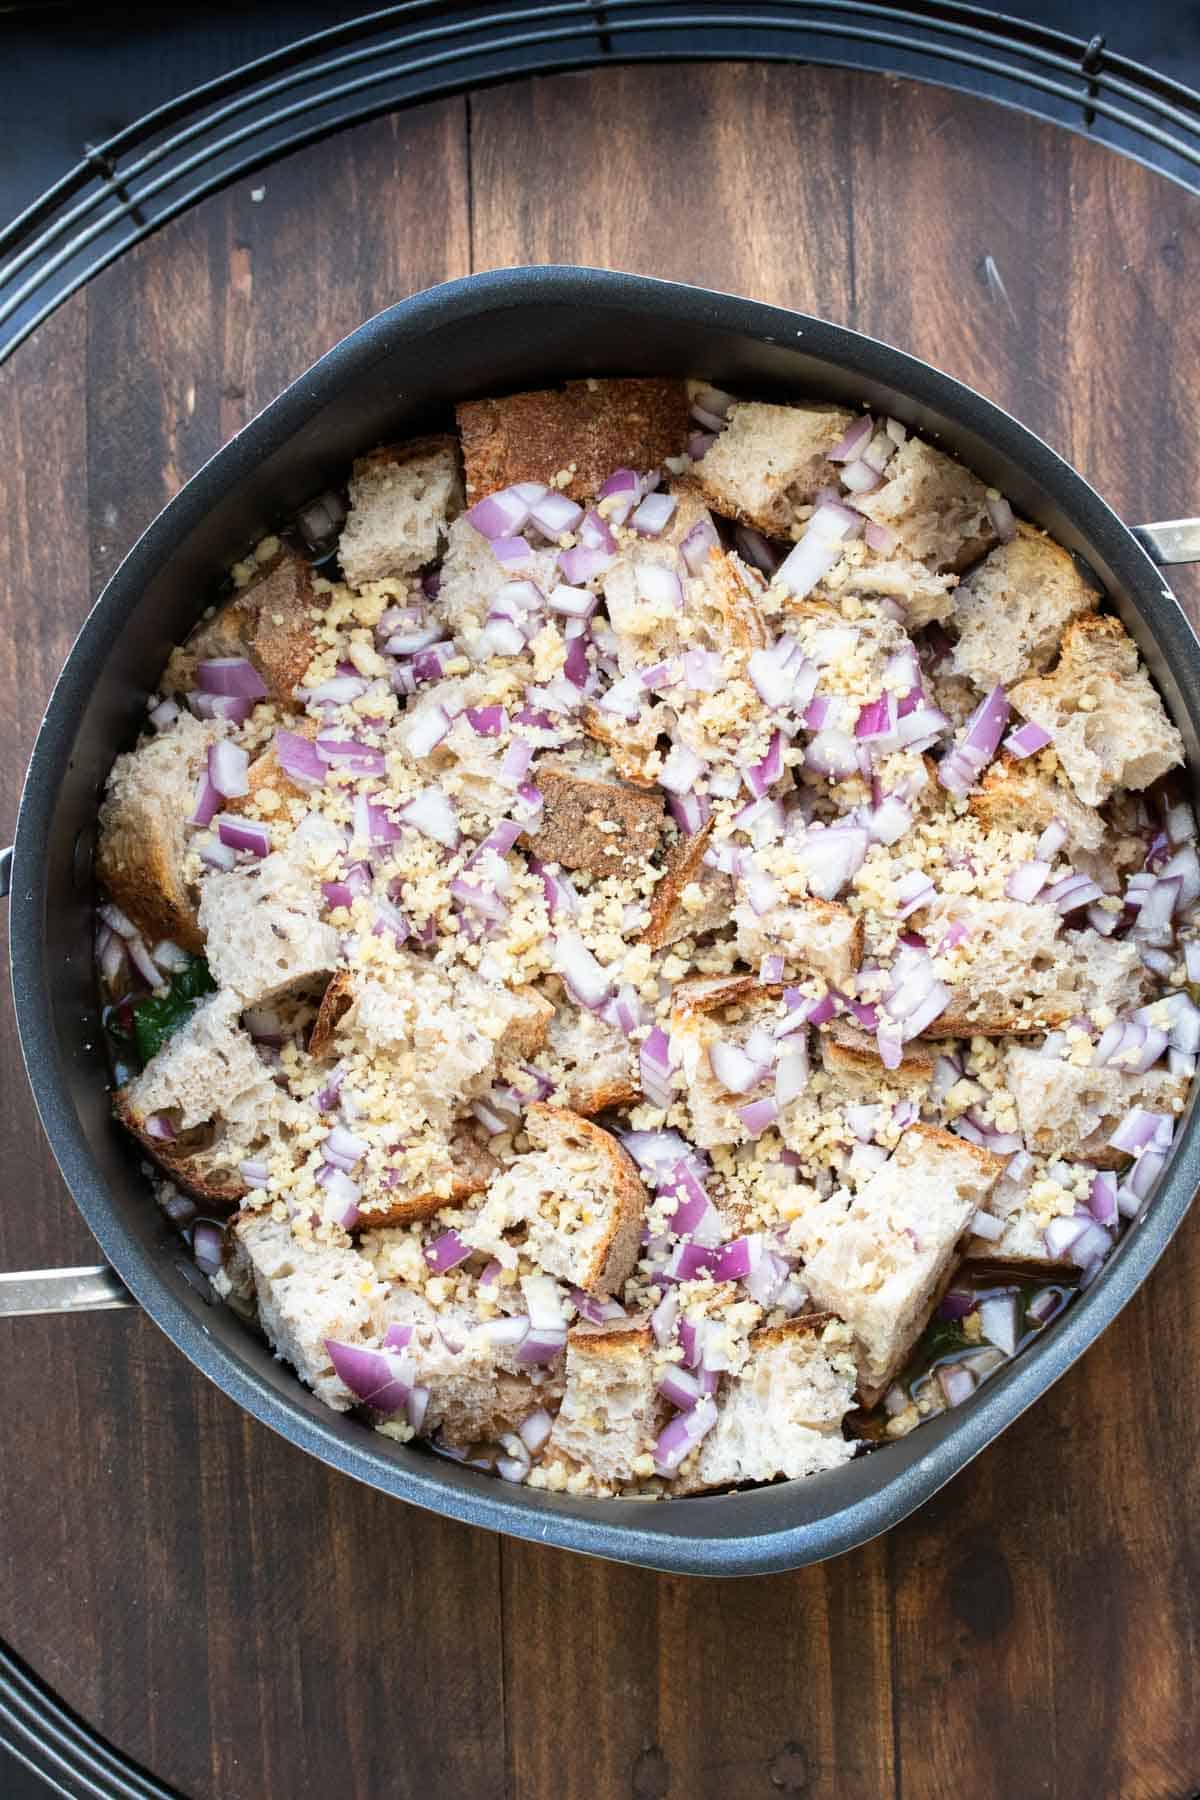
(400, 373)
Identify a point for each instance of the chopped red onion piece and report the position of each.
(1027, 740)
(791, 1073)
(428, 726)
(243, 834)
(555, 513)
(689, 811)
(581, 564)
(208, 1246)
(860, 478)
(962, 765)
(1051, 841)
(758, 1116)
(762, 776)
(913, 891)
(499, 515)
(680, 1387)
(855, 440)
(1027, 881)
(700, 443)
(430, 665)
(340, 690)
(299, 760)
(681, 1436)
(662, 1319)
(587, 980)
(573, 602)
(654, 514)
(511, 552)
(486, 721)
(594, 534)
(734, 1069)
(832, 754)
(957, 1384)
(446, 1252)
(595, 1311)
(880, 538)
(818, 550)
(231, 676)
(381, 1379)
(654, 1061)
(1137, 1130)
(207, 802)
(227, 767)
(432, 814)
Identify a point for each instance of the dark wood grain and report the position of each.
(255, 1628)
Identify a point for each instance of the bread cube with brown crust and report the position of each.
(630, 742)
(589, 821)
(1012, 610)
(575, 1203)
(850, 1054)
(878, 1258)
(308, 1293)
(1072, 1111)
(263, 923)
(782, 1413)
(611, 1414)
(710, 894)
(211, 1090)
(936, 507)
(816, 935)
(1019, 795)
(476, 1389)
(1017, 971)
(143, 838)
(402, 500)
(1109, 726)
(768, 462)
(588, 428)
(266, 772)
(706, 1011)
(600, 1062)
(469, 1165)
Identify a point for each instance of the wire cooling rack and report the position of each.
(145, 174)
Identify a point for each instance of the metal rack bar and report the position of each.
(414, 52)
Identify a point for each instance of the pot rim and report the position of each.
(683, 1538)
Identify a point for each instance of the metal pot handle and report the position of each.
(1171, 541)
(92, 1289)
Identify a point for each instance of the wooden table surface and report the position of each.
(251, 1626)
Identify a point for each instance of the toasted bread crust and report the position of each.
(473, 1170)
(685, 864)
(179, 1167)
(267, 772)
(730, 594)
(630, 758)
(571, 827)
(274, 621)
(411, 450)
(589, 427)
(138, 868)
(335, 1002)
(847, 1051)
(616, 1253)
(590, 1101)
